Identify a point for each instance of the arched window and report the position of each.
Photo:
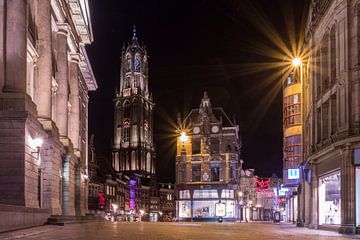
(133, 160)
(137, 62)
(127, 109)
(325, 62)
(128, 63)
(148, 162)
(117, 165)
(126, 133)
(135, 111)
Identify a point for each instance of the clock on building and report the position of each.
(215, 129)
(205, 176)
(196, 130)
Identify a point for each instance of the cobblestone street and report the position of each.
(178, 231)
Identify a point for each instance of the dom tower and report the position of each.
(133, 150)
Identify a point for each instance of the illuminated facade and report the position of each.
(207, 165)
(133, 150)
(292, 143)
(331, 135)
(45, 76)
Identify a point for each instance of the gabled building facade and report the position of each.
(207, 164)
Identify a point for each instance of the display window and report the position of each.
(329, 199)
(184, 209)
(208, 209)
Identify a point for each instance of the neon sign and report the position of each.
(101, 200)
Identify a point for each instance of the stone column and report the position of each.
(2, 49)
(43, 81)
(347, 190)
(15, 41)
(74, 121)
(62, 96)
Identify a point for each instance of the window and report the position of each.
(196, 146)
(227, 193)
(215, 172)
(184, 194)
(126, 134)
(292, 151)
(196, 172)
(181, 176)
(232, 172)
(214, 145)
(292, 110)
(292, 79)
(133, 159)
(207, 193)
(127, 109)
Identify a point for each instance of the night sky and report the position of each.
(197, 46)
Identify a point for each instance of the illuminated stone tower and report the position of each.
(133, 149)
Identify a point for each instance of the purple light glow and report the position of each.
(132, 194)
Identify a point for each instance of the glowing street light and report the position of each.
(240, 194)
(296, 62)
(114, 207)
(183, 137)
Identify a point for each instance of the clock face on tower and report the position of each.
(196, 130)
(215, 129)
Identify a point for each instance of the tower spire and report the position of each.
(134, 31)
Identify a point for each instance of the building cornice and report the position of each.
(79, 11)
(86, 70)
(316, 12)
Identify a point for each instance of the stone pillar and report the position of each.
(62, 95)
(74, 121)
(347, 190)
(68, 188)
(2, 49)
(43, 81)
(313, 211)
(15, 44)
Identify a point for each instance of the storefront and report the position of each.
(207, 209)
(329, 199)
(357, 186)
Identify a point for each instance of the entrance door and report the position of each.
(357, 202)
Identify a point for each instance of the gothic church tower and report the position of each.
(133, 149)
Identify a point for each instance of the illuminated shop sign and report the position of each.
(220, 209)
(293, 173)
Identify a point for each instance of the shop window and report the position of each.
(196, 146)
(196, 172)
(215, 172)
(329, 199)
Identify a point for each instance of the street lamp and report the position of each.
(183, 137)
(296, 62)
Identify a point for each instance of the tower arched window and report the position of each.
(134, 110)
(133, 160)
(127, 109)
(128, 63)
(148, 162)
(126, 133)
(137, 62)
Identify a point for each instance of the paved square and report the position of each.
(172, 231)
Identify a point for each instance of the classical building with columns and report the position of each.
(45, 76)
(330, 187)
